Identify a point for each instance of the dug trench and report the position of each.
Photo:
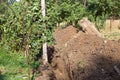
(81, 56)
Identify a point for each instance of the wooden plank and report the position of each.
(89, 27)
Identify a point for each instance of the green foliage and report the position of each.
(100, 10)
(24, 25)
(100, 7)
(65, 11)
(71, 11)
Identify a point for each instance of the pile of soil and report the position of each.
(81, 56)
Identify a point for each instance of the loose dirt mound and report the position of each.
(64, 35)
(82, 56)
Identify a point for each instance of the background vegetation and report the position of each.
(22, 26)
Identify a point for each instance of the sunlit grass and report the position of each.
(112, 33)
(113, 36)
(12, 65)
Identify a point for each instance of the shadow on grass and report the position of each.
(2, 77)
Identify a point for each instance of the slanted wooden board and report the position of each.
(89, 27)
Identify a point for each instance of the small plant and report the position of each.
(80, 64)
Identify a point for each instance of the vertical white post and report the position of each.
(85, 1)
(18, 0)
(45, 56)
(44, 47)
(43, 7)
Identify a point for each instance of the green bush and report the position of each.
(24, 26)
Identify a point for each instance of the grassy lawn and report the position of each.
(12, 66)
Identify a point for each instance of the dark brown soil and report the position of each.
(81, 56)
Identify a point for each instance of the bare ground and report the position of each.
(81, 56)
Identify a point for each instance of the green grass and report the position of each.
(112, 33)
(114, 36)
(12, 65)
